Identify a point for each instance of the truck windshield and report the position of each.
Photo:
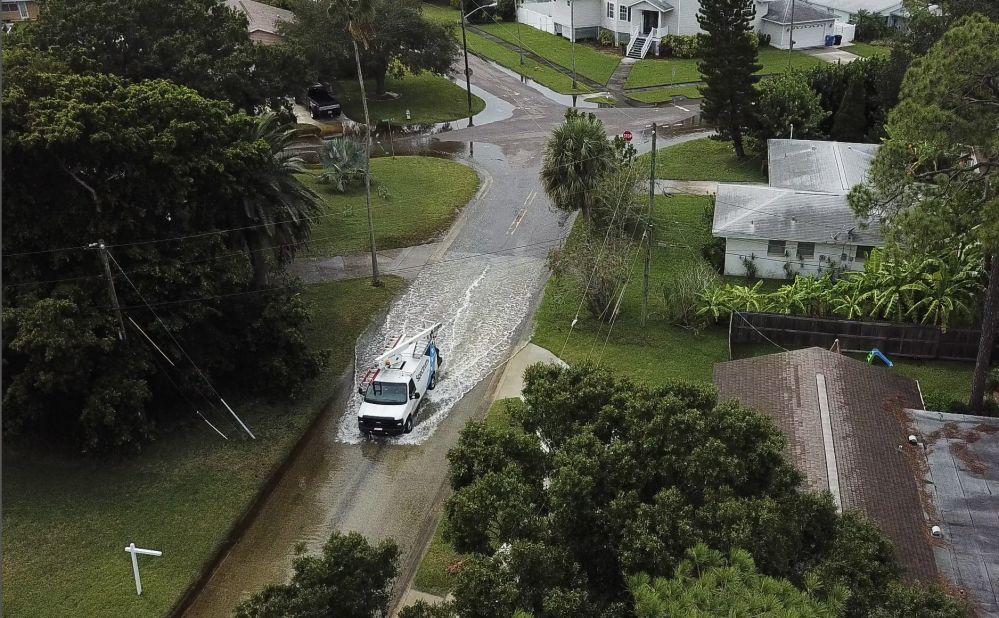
(386, 393)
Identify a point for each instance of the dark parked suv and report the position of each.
(321, 102)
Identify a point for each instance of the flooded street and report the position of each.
(483, 285)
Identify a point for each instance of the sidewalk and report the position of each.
(833, 55)
(406, 263)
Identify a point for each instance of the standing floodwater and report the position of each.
(480, 300)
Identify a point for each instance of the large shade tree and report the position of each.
(936, 178)
(393, 35)
(350, 578)
(155, 171)
(598, 479)
(202, 44)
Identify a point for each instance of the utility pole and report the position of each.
(520, 41)
(102, 252)
(790, 43)
(648, 229)
(572, 28)
(468, 75)
(375, 280)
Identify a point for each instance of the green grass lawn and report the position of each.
(660, 350)
(429, 99)
(666, 94)
(67, 519)
(556, 78)
(591, 63)
(441, 13)
(432, 576)
(683, 70)
(867, 50)
(705, 159)
(657, 350)
(413, 199)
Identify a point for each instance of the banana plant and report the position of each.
(945, 291)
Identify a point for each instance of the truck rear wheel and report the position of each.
(408, 427)
(433, 382)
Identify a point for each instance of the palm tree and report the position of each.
(577, 156)
(360, 15)
(277, 211)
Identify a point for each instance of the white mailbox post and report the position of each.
(132, 549)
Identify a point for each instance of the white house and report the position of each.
(893, 11)
(801, 223)
(811, 24)
(638, 23)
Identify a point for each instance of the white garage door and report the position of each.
(811, 35)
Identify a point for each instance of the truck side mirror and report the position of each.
(360, 390)
(415, 396)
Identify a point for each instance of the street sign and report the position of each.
(627, 136)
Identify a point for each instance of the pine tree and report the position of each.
(729, 64)
(850, 121)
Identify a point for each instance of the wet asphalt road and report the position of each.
(484, 286)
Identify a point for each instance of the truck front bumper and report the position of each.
(379, 425)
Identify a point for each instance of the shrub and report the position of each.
(606, 38)
(343, 162)
(870, 27)
(682, 295)
(681, 45)
(749, 263)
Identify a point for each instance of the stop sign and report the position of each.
(627, 136)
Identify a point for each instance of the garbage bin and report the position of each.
(829, 40)
(838, 39)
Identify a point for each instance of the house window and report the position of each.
(776, 248)
(610, 10)
(8, 7)
(863, 253)
(624, 13)
(806, 250)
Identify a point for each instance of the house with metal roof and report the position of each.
(959, 480)
(801, 222)
(262, 19)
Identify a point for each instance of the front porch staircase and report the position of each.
(637, 47)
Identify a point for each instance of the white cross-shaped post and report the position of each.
(132, 549)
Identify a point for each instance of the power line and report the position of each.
(181, 348)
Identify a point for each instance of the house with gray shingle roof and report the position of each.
(811, 24)
(843, 422)
(262, 19)
(801, 222)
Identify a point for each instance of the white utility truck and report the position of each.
(395, 385)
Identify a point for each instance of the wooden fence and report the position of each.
(893, 338)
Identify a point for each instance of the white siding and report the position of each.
(771, 267)
(805, 35)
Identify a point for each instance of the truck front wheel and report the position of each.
(408, 427)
